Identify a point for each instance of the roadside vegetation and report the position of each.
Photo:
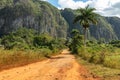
(25, 46)
(101, 58)
(98, 70)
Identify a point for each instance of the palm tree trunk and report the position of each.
(85, 36)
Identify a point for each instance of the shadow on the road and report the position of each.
(56, 57)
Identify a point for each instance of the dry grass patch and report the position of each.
(14, 58)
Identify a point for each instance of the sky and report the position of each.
(103, 7)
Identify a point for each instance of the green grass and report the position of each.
(112, 61)
(99, 70)
(107, 56)
(102, 60)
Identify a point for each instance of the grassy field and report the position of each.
(98, 54)
(99, 70)
(14, 58)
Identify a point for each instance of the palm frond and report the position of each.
(86, 16)
(87, 7)
(77, 18)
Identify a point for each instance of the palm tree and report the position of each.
(86, 17)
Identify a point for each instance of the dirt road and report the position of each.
(62, 67)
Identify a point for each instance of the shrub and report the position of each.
(115, 43)
(42, 40)
(112, 61)
(103, 54)
(76, 42)
(22, 39)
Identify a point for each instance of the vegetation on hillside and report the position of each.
(34, 14)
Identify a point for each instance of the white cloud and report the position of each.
(104, 7)
(43, 0)
(72, 4)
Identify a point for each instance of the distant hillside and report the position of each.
(115, 22)
(35, 14)
(106, 28)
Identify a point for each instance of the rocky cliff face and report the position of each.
(45, 18)
(104, 29)
(34, 14)
(115, 22)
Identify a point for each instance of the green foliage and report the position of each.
(104, 54)
(115, 43)
(25, 38)
(26, 8)
(46, 41)
(106, 73)
(57, 44)
(4, 3)
(99, 52)
(93, 54)
(20, 9)
(42, 40)
(22, 39)
(12, 41)
(112, 61)
(86, 17)
(76, 42)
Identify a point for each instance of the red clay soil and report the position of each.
(61, 67)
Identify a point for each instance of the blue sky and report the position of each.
(55, 2)
(103, 7)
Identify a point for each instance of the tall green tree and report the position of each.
(86, 17)
(76, 42)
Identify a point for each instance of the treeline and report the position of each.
(25, 38)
